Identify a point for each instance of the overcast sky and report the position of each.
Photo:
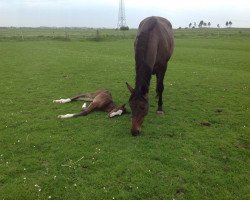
(104, 13)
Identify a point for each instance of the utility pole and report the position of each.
(121, 15)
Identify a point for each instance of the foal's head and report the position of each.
(139, 107)
(117, 111)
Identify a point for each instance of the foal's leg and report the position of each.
(84, 112)
(159, 90)
(82, 97)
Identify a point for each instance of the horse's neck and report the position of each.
(143, 76)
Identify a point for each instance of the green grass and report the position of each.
(94, 157)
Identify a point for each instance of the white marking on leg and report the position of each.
(84, 105)
(118, 112)
(65, 116)
(62, 100)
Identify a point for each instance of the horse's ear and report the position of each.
(130, 88)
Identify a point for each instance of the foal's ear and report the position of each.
(130, 88)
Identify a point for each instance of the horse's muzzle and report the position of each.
(136, 126)
(135, 132)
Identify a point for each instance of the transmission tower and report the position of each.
(121, 15)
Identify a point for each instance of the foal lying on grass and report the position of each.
(100, 100)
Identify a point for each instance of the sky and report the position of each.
(104, 13)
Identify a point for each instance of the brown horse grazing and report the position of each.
(100, 100)
(154, 46)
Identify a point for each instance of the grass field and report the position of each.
(82, 34)
(94, 157)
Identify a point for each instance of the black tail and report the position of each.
(141, 50)
(142, 39)
(144, 30)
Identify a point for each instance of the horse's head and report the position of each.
(139, 107)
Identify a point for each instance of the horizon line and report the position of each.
(88, 27)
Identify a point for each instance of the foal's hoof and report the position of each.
(160, 112)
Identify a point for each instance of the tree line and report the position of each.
(207, 24)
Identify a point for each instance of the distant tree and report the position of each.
(200, 24)
(227, 24)
(230, 23)
(204, 24)
(194, 24)
(124, 28)
(218, 26)
(209, 24)
(190, 25)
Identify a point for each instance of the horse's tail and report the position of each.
(148, 24)
(143, 37)
(141, 49)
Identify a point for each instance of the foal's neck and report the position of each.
(110, 106)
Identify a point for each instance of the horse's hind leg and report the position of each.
(62, 100)
(89, 96)
(159, 90)
(83, 97)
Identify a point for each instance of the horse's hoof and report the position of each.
(160, 112)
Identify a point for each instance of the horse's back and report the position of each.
(151, 21)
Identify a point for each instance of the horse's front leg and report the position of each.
(85, 111)
(159, 90)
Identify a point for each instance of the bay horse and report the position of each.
(154, 45)
(100, 100)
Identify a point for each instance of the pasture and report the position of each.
(198, 150)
